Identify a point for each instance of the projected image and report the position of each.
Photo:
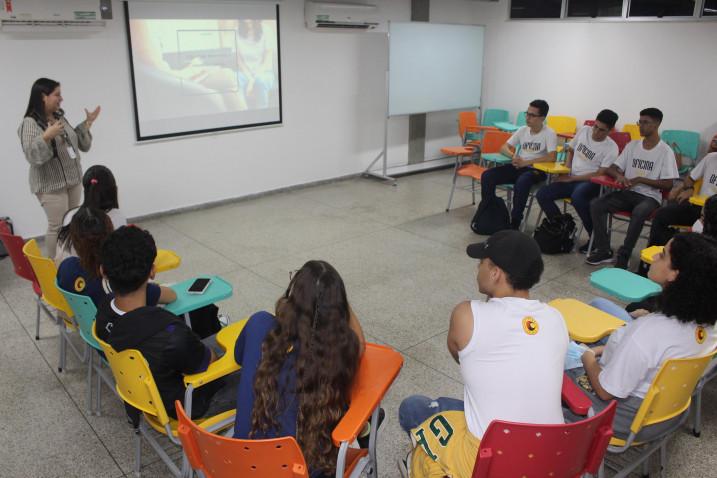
(194, 75)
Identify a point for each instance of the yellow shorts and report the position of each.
(444, 447)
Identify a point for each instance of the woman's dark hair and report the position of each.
(100, 188)
(88, 230)
(312, 317)
(36, 106)
(709, 217)
(689, 296)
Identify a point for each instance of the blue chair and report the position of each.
(493, 116)
(85, 312)
(520, 119)
(624, 285)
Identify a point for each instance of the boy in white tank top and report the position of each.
(511, 351)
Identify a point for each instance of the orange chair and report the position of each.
(491, 144)
(470, 130)
(220, 457)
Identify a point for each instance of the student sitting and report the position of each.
(589, 153)
(100, 192)
(537, 144)
(298, 365)
(510, 350)
(679, 211)
(682, 326)
(81, 274)
(644, 168)
(170, 347)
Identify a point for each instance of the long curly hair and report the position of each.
(689, 297)
(87, 231)
(313, 324)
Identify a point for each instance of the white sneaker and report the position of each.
(223, 320)
(404, 465)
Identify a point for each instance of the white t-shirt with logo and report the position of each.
(707, 170)
(634, 353)
(591, 155)
(534, 145)
(512, 367)
(656, 163)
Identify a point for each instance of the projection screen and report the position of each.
(201, 67)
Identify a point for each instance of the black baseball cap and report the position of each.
(511, 250)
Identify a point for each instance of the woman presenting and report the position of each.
(52, 148)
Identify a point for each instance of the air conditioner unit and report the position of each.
(53, 15)
(332, 16)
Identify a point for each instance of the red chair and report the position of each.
(621, 138)
(567, 451)
(589, 123)
(13, 245)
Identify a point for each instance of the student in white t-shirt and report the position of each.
(505, 347)
(681, 327)
(533, 143)
(589, 153)
(679, 211)
(645, 168)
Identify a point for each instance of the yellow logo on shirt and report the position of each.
(530, 325)
(700, 334)
(80, 284)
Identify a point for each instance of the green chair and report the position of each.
(623, 284)
(684, 142)
(520, 119)
(493, 116)
(85, 312)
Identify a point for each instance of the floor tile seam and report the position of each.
(406, 349)
(432, 367)
(64, 387)
(12, 310)
(398, 227)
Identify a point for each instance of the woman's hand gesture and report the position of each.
(92, 116)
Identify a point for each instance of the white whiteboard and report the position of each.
(434, 67)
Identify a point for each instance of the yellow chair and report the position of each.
(648, 254)
(633, 129)
(585, 323)
(669, 397)
(562, 124)
(166, 260)
(46, 272)
(136, 387)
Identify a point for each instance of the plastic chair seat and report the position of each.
(496, 158)
(166, 260)
(458, 150)
(624, 285)
(648, 254)
(209, 422)
(585, 323)
(471, 171)
(505, 126)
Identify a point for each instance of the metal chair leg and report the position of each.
(37, 319)
(453, 186)
(137, 452)
(663, 459)
(89, 387)
(63, 347)
(697, 419)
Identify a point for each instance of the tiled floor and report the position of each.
(402, 258)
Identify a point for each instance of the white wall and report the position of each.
(580, 67)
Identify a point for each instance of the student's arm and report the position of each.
(617, 174)
(356, 327)
(460, 329)
(586, 177)
(166, 295)
(655, 183)
(682, 191)
(548, 158)
(507, 150)
(593, 369)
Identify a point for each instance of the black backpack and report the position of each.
(8, 221)
(555, 236)
(492, 216)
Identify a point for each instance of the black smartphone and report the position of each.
(199, 286)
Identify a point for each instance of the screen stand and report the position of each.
(384, 153)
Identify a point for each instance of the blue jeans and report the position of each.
(611, 308)
(416, 409)
(579, 192)
(522, 179)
